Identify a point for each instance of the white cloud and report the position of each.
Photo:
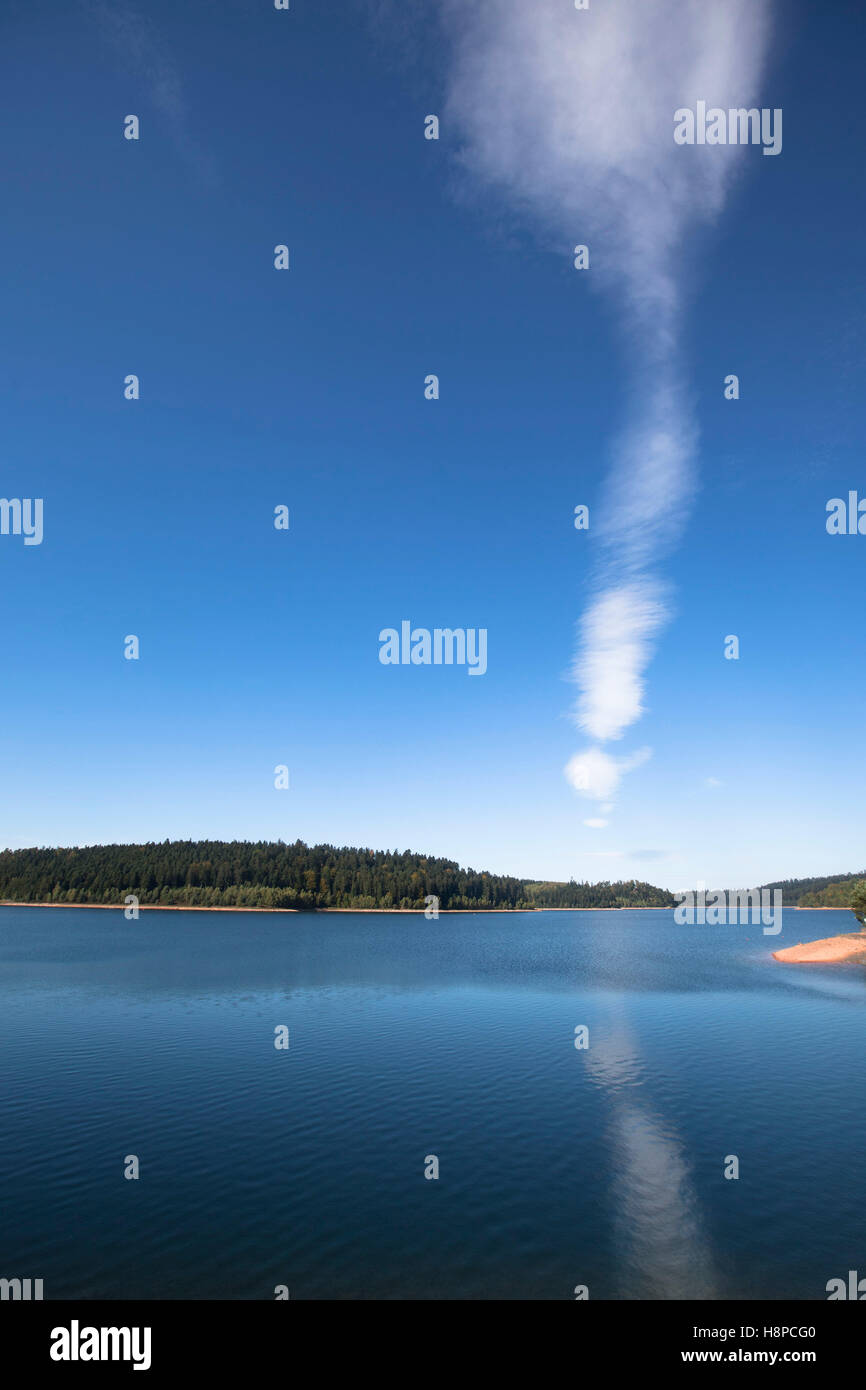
(596, 774)
(596, 823)
(568, 115)
(615, 645)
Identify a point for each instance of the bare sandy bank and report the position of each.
(830, 948)
(482, 911)
(411, 911)
(149, 907)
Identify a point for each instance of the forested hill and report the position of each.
(834, 891)
(238, 873)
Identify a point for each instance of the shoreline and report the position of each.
(828, 950)
(411, 911)
(151, 907)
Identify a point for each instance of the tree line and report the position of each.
(240, 873)
(832, 891)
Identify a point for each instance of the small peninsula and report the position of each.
(828, 950)
(850, 893)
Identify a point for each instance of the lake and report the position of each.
(409, 1038)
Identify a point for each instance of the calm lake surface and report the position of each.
(410, 1038)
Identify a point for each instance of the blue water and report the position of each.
(410, 1038)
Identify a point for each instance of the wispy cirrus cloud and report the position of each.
(568, 115)
(138, 47)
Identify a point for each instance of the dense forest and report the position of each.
(238, 873)
(631, 893)
(833, 891)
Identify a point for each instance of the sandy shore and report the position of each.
(149, 907)
(828, 949)
(412, 911)
(416, 911)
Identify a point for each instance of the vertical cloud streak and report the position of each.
(568, 116)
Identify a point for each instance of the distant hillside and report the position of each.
(631, 893)
(238, 873)
(833, 891)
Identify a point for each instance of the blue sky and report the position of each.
(305, 387)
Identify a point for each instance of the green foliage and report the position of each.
(833, 891)
(842, 891)
(834, 895)
(238, 873)
(858, 902)
(632, 893)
